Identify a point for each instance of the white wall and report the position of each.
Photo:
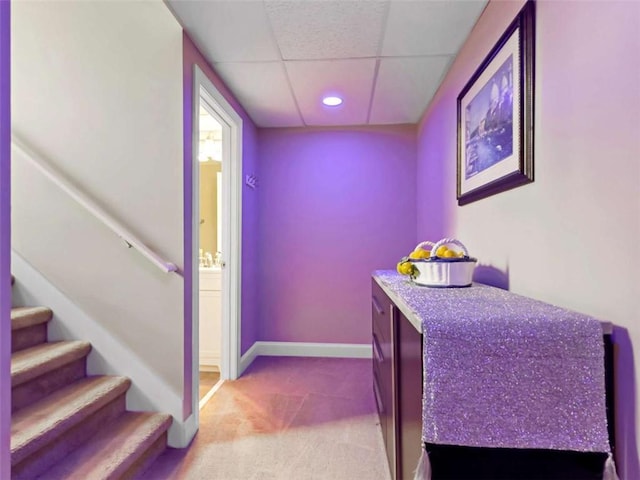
(570, 238)
(97, 89)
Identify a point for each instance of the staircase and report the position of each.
(66, 424)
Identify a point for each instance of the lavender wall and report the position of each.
(570, 237)
(249, 322)
(334, 205)
(5, 240)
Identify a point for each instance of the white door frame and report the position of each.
(231, 228)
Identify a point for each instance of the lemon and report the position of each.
(449, 254)
(405, 268)
(441, 251)
(419, 253)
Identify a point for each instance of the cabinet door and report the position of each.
(210, 327)
(408, 372)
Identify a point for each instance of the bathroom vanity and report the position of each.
(210, 318)
(468, 423)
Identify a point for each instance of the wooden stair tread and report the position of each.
(23, 317)
(114, 450)
(36, 425)
(35, 361)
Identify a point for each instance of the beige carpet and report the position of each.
(286, 418)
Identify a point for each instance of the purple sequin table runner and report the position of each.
(502, 370)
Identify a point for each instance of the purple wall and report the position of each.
(5, 240)
(334, 205)
(249, 320)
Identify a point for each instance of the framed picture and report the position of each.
(495, 115)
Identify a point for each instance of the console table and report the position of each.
(482, 391)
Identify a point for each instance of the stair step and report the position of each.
(29, 326)
(44, 358)
(44, 422)
(38, 371)
(118, 451)
(23, 317)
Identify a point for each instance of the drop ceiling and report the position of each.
(386, 58)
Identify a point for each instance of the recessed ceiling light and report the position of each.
(332, 101)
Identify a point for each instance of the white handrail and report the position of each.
(130, 239)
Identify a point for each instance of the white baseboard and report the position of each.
(301, 349)
(209, 368)
(181, 434)
(248, 358)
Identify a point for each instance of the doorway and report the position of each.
(216, 239)
(210, 157)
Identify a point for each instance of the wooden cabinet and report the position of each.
(383, 378)
(397, 383)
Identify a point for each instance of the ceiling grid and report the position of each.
(377, 71)
(386, 58)
(295, 100)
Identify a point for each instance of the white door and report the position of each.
(206, 96)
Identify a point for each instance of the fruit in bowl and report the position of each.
(446, 264)
(445, 252)
(404, 267)
(419, 253)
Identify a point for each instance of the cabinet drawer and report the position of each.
(376, 346)
(381, 313)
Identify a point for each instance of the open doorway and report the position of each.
(216, 239)
(210, 263)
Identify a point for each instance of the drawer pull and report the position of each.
(378, 396)
(377, 306)
(377, 351)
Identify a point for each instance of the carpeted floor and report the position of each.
(286, 418)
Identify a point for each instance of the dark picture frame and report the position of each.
(495, 115)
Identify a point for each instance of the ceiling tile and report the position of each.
(405, 87)
(350, 79)
(228, 31)
(262, 88)
(329, 46)
(429, 27)
(327, 29)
